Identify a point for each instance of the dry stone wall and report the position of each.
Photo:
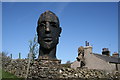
(52, 71)
(17, 67)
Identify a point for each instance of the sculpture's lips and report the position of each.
(48, 39)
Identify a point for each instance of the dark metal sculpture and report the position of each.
(48, 31)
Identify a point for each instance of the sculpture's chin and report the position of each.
(48, 45)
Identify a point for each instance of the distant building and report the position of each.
(98, 61)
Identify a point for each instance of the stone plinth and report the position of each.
(46, 61)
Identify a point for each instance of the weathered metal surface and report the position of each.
(48, 31)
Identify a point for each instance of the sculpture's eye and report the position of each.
(53, 24)
(42, 24)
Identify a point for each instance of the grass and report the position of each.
(7, 75)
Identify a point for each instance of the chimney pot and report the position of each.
(105, 51)
(115, 54)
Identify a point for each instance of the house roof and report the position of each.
(109, 59)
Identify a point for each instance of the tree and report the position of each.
(33, 48)
(4, 54)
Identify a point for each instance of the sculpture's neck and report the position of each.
(49, 53)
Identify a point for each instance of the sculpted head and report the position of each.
(48, 30)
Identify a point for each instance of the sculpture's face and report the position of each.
(48, 30)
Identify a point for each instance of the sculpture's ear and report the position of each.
(60, 30)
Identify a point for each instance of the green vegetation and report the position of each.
(7, 75)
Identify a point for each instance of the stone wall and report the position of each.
(17, 67)
(49, 70)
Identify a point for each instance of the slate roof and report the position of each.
(109, 59)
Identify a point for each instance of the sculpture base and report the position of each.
(48, 61)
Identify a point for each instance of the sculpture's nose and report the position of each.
(47, 28)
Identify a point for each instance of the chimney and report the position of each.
(115, 54)
(88, 50)
(105, 51)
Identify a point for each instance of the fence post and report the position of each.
(19, 55)
(11, 56)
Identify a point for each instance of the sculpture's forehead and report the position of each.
(48, 16)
